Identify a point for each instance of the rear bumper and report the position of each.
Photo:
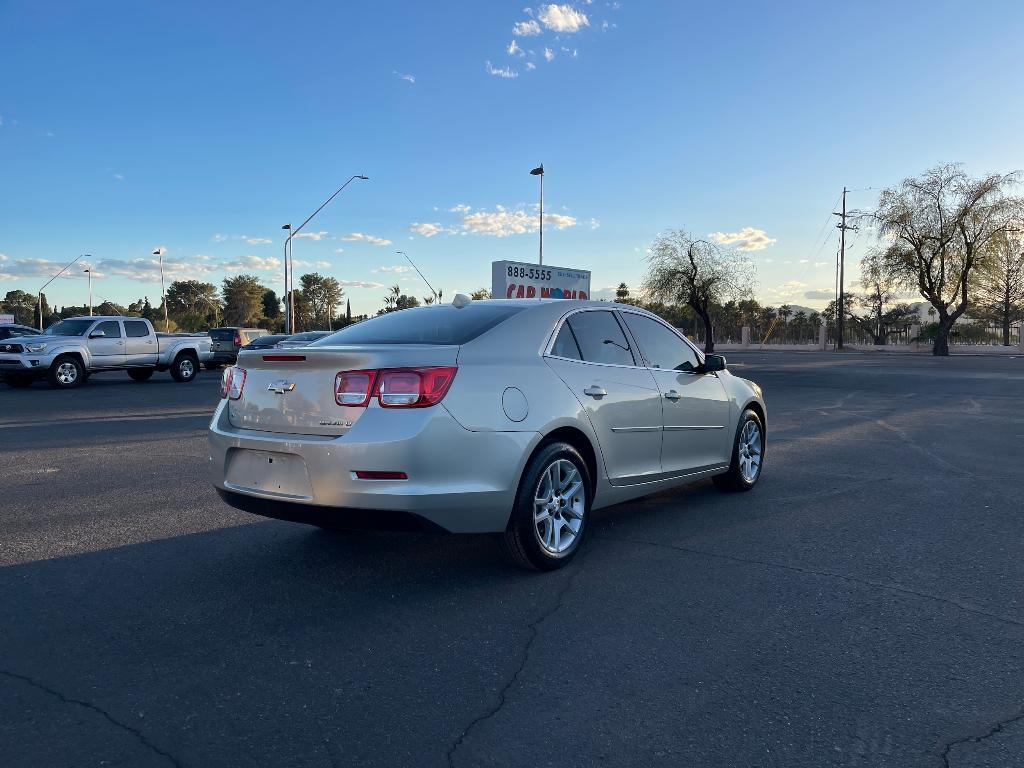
(458, 481)
(222, 358)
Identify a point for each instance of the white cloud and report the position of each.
(548, 54)
(514, 49)
(460, 208)
(359, 284)
(530, 65)
(339, 250)
(396, 270)
(407, 77)
(504, 72)
(747, 239)
(502, 222)
(594, 224)
(318, 264)
(258, 240)
(219, 238)
(820, 264)
(14, 269)
(260, 263)
(426, 229)
(359, 236)
(312, 235)
(821, 294)
(562, 18)
(787, 291)
(527, 28)
(119, 177)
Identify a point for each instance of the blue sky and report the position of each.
(202, 127)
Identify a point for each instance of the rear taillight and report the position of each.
(394, 387)
(354, 387)
(238, 340)
(231, 382)
(414, 387)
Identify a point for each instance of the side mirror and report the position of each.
(97, 335)
(713, 363)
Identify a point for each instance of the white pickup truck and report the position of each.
(68, 351)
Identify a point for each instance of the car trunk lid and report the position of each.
(291, 391)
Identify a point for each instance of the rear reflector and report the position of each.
(373, 475)
(283, 358)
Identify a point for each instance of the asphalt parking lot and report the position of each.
(863, 606)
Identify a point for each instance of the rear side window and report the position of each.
(565, 344)
(135, 329)
(600, 338)
(424, 325)
(661, 348)
(111, 329)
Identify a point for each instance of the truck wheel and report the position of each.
(184, 368)
(66, 372)
(18, 380)
(140, 374)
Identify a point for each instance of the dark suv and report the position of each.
(227, 342)
(9, 330)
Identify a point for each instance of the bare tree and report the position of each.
(686, 270)
(1001, 280)
(938, 226)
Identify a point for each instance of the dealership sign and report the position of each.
(516, 280)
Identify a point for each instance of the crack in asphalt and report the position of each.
(98, 710)
(533, 628)
(812, 572)
(992, 731)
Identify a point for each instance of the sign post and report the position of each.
(519, 280)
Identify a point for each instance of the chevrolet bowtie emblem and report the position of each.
(281, 386)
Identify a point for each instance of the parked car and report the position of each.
(515, 417)
(303, 339)
(227, 342)
(266, 342)
(9, 330)
(67, 352)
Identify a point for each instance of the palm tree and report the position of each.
(391, 300)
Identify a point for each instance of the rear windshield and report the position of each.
(424, 325)
(223, 334)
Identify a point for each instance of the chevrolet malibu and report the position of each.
(514, 417)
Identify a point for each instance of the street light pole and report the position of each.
(437, 300)
(89, 273)
(163, 293)
(287, 293)
(291, 235)
(539, 171)
(39, 294)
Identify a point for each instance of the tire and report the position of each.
(537, 542)
(66, 372)
(140, 374)
(18, 380)
(748, 450)
(184, 368)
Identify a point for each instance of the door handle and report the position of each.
(150, 341)
(672, 395)
(595, 391)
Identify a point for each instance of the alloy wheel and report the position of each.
(559, 503)
(67, 373)
(750, 451)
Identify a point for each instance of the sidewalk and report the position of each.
(887, 349)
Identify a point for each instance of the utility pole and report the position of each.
(841, 301)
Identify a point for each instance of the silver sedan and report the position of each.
(514, 417)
